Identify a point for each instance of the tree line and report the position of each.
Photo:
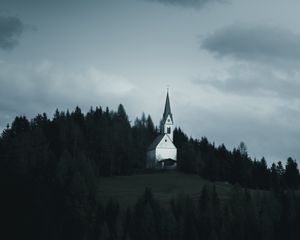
(201, 157)
(112, 145)
(49, 169)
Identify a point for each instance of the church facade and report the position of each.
(162, 153)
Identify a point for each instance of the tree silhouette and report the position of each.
(291, 174)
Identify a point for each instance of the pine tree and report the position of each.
(291, 174)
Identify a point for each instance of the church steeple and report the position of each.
(167, 120)
(167, 110)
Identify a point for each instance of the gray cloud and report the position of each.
(187, 3)
(28, 89)
(11, 29)
(254, 79)
(261, 81)
(254, 43)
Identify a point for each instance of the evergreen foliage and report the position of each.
(219, 164)
(49, 170)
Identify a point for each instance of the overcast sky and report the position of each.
(233, 66)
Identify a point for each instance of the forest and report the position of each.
(49, 169)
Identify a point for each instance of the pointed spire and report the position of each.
(167, 110)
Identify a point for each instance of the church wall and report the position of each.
(165, 153)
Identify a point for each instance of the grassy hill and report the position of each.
(164, 185)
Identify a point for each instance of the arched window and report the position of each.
(168, 130)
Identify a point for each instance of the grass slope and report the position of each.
(164, 185)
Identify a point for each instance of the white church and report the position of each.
(162, 153)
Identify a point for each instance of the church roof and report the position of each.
(167, 110)
(156, 142)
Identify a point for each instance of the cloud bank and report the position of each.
(28, 89)
(264, 60)
(11, 29)
(258, 80)
(258, 42)
(254, 79)
(187, 3)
